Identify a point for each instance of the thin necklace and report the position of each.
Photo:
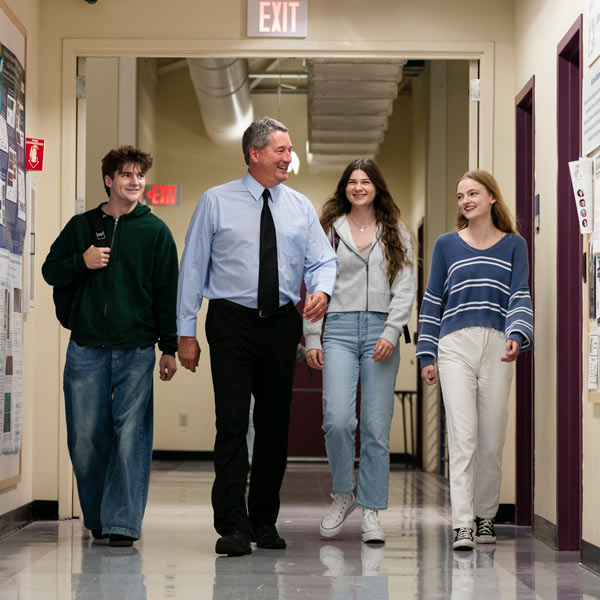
(361, 229)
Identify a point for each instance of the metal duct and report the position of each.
(349, 103)
(223, 93)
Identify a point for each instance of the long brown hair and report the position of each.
(386, 213)
(501, 217)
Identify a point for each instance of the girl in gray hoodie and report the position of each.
(371, 304)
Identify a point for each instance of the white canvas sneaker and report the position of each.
(371, 531)
(341, 507)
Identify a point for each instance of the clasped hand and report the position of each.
(95, 257)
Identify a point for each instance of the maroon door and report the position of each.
(525, 196)
(569, 301)
(306, 436)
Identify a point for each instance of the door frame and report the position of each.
(72, 49)
(525, 367)
(569, 302)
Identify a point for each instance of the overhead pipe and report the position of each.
(223, 92)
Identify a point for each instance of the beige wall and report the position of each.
(190, 25)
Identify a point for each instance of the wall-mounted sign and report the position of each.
(162, 195)
(34, 154)
(582, 182)
(277, 18)
(593, 21)
(590, 110)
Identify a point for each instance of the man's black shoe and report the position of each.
(236, 543)
(116, 539)
(267, 537)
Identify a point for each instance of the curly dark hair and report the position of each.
(117, 158)
(386, 213)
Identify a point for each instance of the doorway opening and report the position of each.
(176, 144)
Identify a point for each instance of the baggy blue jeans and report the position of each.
(348, 342)
(109, 411)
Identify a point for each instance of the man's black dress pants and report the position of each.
(255, 355)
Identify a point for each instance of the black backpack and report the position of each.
(63, 295)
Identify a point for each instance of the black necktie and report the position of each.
(268, 278)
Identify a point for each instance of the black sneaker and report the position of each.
(486, 534)
(266, 536)
(236, 543)
(116, 539)
(463, 539)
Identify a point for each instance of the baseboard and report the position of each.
(38, 510)
(182, 455)
(545, 531)
(590, 556)
(505, 514)
(406, 459)
(395, 457)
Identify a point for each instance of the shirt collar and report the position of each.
(256, 189)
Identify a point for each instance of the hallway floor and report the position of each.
(175, 558)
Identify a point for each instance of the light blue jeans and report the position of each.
(109, 411)
(348, 342)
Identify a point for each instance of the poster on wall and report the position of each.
(582, 181)
(593, 31)
(590, 110)
(593, 362)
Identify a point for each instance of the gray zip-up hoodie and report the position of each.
(364, 286)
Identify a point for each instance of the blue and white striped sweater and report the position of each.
(475, 288)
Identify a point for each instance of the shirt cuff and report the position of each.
(186, 328)
(80, 266)
(426, 359)
(312, 341)
(390, 334)
(517, 337)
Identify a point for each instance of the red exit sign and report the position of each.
(277, 18)
(162, 195)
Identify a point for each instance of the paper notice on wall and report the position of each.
(5, 396)
(16, 348)
(593, 362)
(582, 182)
(10, 110)
(21, 195)
(597, 269)
(593, 31)
(596, 204)
(3, 135)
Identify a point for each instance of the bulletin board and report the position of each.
(13, 221)
(591, 303)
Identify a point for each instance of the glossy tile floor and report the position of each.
(175, 558)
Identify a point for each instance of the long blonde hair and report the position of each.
(501, 217)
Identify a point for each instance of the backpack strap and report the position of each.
(96, 220)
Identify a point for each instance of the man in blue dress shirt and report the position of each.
(237, 249)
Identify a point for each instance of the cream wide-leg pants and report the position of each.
(475, 386)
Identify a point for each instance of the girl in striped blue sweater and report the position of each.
(475, 318)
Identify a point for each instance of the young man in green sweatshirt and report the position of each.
(124, 303)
